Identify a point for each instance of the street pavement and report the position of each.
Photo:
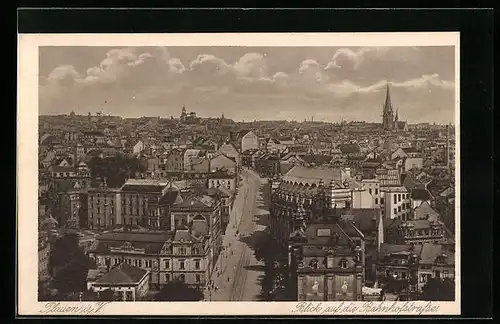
(233, 280)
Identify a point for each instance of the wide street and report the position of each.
(237, 271)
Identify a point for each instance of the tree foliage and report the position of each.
(115, 169)
(439, 290)
(69, 265)
(179, 291)
(107, 295)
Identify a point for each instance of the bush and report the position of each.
(179, 291)
(437, 289)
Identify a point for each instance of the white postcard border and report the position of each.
(27, 173)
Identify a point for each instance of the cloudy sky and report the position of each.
(247, 83)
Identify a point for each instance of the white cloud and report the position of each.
(355, 58)
(206, 64)
(251, 65)
(176, 66)
(63, 73)
(156, 78)
(425, 81)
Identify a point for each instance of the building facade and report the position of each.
(327, 260)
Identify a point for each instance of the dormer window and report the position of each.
(343, 264)
(314, 264)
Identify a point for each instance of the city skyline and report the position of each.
(327, 84)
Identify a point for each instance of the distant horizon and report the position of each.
(243, 121)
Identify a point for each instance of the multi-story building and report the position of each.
(268, 165)
(139, 203)
(43, 258)
(204, 212)
(326, 259)
(103, 206)
(78, 197)
(249, 141)
(174, 162)
(373, 187)
(307, 185)
(436, 261)
(190, 156)
(397, 268)
(223, 162)
(417, 232)
(396, 202)
(186, 253)
(409, 267)
(222, 179)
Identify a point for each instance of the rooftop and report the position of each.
(313, 175)
(122, 274)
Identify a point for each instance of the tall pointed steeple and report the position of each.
(388, 103)
(388, 112)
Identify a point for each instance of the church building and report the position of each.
(390, 121)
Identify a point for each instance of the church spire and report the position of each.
(388, 103)
(388, 112)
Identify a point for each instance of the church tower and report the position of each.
(388, 112)
(183, 114)
(396, 120)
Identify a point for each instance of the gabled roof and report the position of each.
(425, 211)
(420, 194)
(431, 252)
(316, 159)
(196, 203)
(122, 274)
(365, 219)
(183, 235)
(314, 175)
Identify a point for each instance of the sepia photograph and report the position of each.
(318, 169)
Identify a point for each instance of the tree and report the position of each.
(179, 291)
(69, 265)
(438, 289)
(115, 169)
(107, 295)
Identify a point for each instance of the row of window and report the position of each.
(343, 264)
(424, 277)
(397, 197)
(401, 208)
(182, 277)
(149, 263)
(63, 174)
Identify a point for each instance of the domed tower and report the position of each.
(83, 174)
(75, 205)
